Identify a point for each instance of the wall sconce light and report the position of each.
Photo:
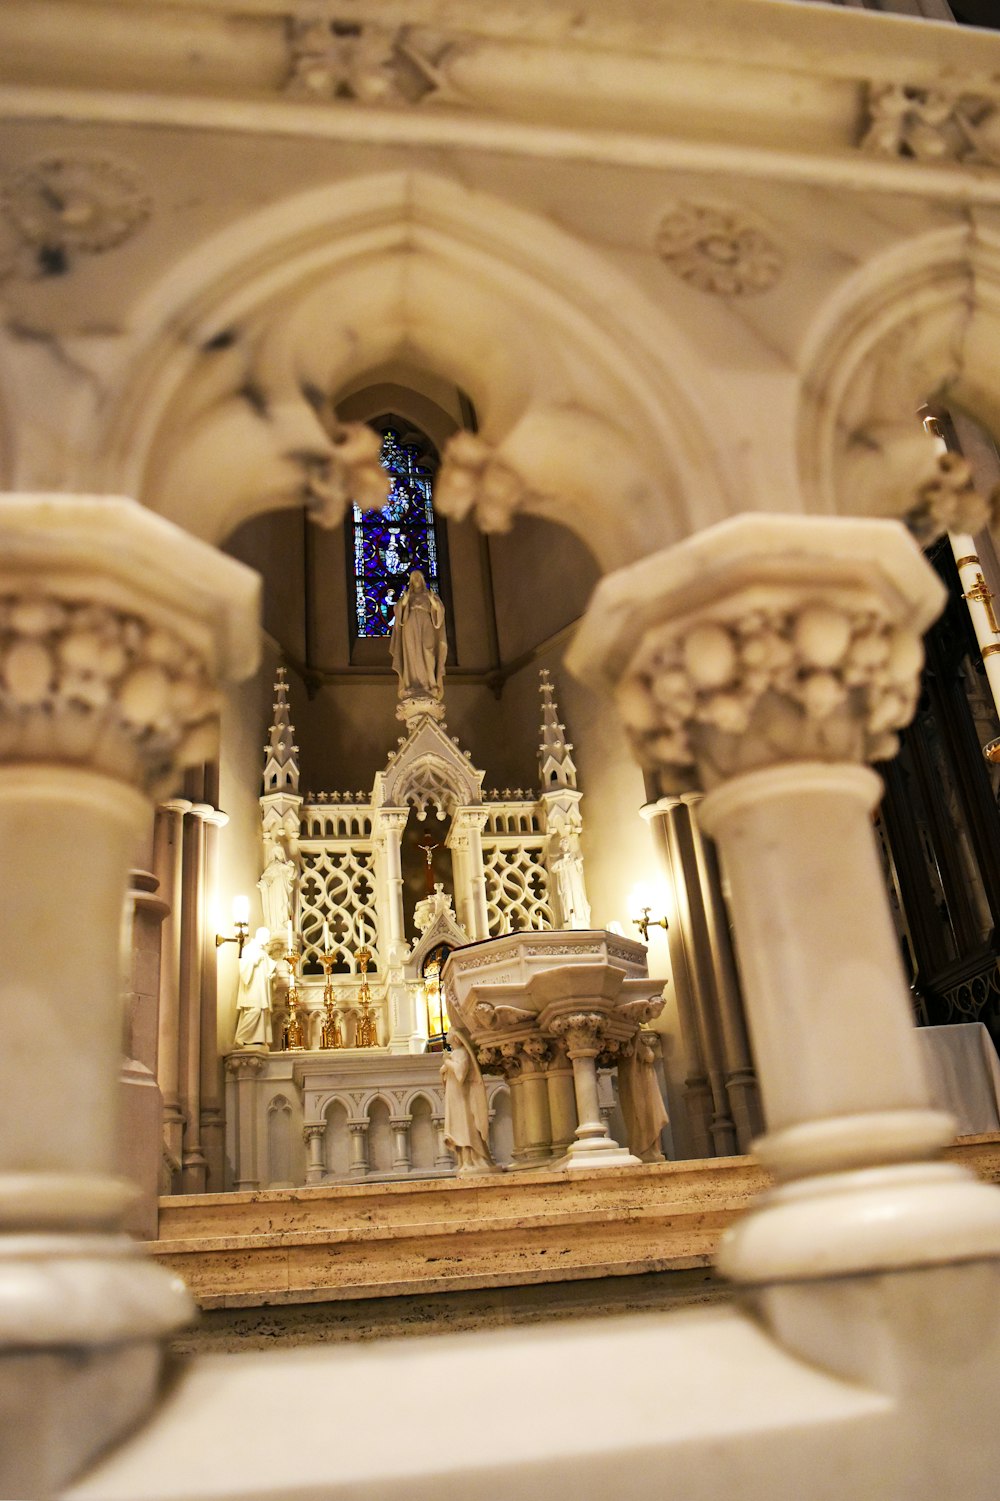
(645, 922)
(241, 922)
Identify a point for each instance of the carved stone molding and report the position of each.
(93, 685)
(246, 1065)
(718, 250)
(950, 502)
(336, 58)
(62, 204)
(931, 124)
(347, 473)
(474, 480)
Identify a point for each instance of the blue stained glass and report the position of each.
(389, 544)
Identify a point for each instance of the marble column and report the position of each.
(562, 1097)
(315, 1139)
(592, 1145)
(537, 1143)
(766, 660)
(698, 1096)
(358, 1165)
(443, 1158)
(212, 1115)
(168, 840)
(689, 932)
(737, 1063)
(116, 629)
(401, 1162)
(246, 1068)
(465, 840)
(194, 1166)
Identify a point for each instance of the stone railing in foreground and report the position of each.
(765, 659)
(115, 630)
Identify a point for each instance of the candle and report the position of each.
(326, 938)
(241, 909)
(291, 936)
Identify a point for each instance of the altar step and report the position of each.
(358, 1241)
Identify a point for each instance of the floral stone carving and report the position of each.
(718, 250)
(931, 124)
(950, 502)
(341, 59)
(349, 472)
(88, 684)
(803, 680)
(62, 204)
(474, 479)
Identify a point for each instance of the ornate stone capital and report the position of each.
(247, 1064)
(100, 667)
(344, 472)
(312, 1130)
(764, 640)
(583, 1033)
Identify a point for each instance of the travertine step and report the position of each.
(357, 1241)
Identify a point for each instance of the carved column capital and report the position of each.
(583, 1033)
(247, 1064)
(312, 1130)
(761, 641)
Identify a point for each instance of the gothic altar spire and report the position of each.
(556, 766)
(281, 766)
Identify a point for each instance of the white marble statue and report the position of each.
(466, 1112)
(642, 1103)
(570, 888)
(253, 999)
(276, 886)
(419, 644)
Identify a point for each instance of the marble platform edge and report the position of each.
(453, 1282)
(528, 1178)
(664, 1214)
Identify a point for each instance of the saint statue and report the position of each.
(466, 1112)
(253, 999)
(419, 644)
(568, 871)
(641, 1101)
(276, 885)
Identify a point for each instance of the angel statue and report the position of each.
(466, 1112)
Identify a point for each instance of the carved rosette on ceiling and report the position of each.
(930, 125)
(718, 250)
(331, 58)
(90, 685)
(60, 205)
(800, 680)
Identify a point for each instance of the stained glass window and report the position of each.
(389, 544)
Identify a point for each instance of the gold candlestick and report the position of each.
(293, 1035)
(367, 1034)
(332, 1036)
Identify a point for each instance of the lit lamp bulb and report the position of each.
(241, 922)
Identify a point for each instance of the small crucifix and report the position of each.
(428, 844)
(982, 593)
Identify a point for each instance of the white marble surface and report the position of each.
(964, 1075)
